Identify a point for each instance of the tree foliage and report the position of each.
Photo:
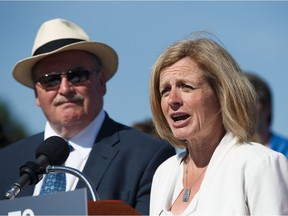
(10, 129)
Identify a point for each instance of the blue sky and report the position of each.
(255, 33)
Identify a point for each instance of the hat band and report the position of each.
(54, 45)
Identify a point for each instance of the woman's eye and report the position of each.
(187, 87)
(164, 91)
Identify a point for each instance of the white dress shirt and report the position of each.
(82, 144)
(241, 179)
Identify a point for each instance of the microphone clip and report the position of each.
(34, 170)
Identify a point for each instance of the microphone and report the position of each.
(53, 151)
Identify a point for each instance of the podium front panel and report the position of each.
(61, 203)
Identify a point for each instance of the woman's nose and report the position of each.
(174, 98)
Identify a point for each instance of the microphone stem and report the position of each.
(76, 173)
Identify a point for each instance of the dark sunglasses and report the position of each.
(52, 81)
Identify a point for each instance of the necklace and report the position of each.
(187, 191)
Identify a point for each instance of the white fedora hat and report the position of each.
(59, 35)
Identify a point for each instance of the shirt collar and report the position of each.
(85, 138)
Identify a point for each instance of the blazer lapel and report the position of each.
(102, 153)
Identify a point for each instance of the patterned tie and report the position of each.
(53, 182)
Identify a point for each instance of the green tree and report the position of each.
(10, 130)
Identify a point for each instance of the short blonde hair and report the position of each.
(234, 92)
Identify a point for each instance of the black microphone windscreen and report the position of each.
(56, 150)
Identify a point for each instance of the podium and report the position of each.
(110, 207)
(64, 203)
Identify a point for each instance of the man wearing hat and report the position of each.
(68, 73)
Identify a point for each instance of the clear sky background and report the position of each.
(255, 33)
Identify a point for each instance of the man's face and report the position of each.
(70, 107)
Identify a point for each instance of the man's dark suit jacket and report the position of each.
(121, 163)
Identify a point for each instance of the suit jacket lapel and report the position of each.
(102, 153)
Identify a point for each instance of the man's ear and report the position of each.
(102, 80)
(36, 97)
(37, 101)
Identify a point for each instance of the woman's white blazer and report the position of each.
(241, 179)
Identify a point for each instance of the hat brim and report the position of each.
(22, 71)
